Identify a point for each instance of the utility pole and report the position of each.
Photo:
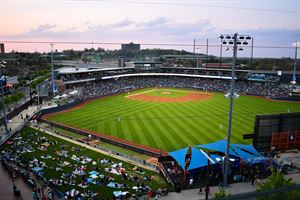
(230, 109)
(221, 47)
(295, 62)
(233, 40)
(206, 52)
(194, 47)
(251, 59)
(52, 69)
(2, 65)
(38, 88)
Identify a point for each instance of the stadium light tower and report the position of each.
(52, 69)
(296, 44)
(229, 40)
(2, 65)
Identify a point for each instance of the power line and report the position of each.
(145, 44)
(174, 3)
(189, 4)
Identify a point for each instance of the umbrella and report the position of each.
(93, 173)
(72, 193)
(37, 169)
(93, 176)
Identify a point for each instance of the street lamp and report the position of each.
(52, 69)
(296, 44)
(197, 57)
(2, 65)
(234, 40)
(221, 37)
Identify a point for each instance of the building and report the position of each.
(144, 65)
(2, 50)
(131, 47)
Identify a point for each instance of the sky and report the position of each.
(152, 23)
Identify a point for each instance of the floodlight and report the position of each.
(248, 38)
(230, 42)
(245, 43)
(242, 37)
(227, 95)
(224, 42)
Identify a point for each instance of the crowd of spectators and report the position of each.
(113, 86)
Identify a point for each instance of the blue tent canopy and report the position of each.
(217, 146)
(179, 156)
(248, 147)
(242, 154)
(199, 159)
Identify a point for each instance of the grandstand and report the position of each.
(72, 74)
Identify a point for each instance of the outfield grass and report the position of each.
(170, 126)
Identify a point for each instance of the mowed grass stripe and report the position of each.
(200, 123)
(169, 131)
(127, 131)
(183, 129)
(148, 131)
(180, 136)
(161, 134)
(134, 131)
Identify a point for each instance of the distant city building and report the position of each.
(131, 47)
(2, 50)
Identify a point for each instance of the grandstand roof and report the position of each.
(74, 70)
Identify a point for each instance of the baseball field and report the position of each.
(170, 119)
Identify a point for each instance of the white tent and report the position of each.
(73, 92)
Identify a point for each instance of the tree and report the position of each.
(277, 180)
(221, 193)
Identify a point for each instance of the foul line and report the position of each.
(139, 93)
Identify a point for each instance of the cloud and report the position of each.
(155, 22)
(156, 30)
(123, 23)
(42, 28)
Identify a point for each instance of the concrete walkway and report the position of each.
(235, 188)
(16, 121)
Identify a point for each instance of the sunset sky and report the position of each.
(270, 22)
